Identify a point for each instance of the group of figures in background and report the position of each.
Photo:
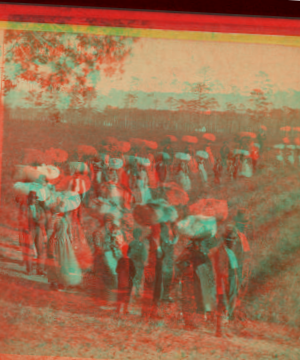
(158, 232)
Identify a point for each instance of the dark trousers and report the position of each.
(198, 293)
(123, 298)
(231, 294)
(35, 237)
(157, 287)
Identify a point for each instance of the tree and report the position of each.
(65, 66)
(230, 107)
(171, 102)
(264, 83)
(202, 102)
(260, 106)
(130, 100)
(156, 103)
(182, 105)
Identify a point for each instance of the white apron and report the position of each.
(203, 172)
(184, 181)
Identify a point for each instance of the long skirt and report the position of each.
(145, 192)
(184, 181)
(110, 276)
(208, 287)
(246, 170)
(81, 247)
(63, 267)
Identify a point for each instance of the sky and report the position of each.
(167, 66)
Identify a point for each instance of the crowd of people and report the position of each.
(154, 232)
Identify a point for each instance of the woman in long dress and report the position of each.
(143, 185)
(63, 268)
(202, 171)
(111, 254)
(81, 246)
(206, 275)
(246, 170)
(183, 178)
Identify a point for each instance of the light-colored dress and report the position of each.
(203, 173)
(246, 169)
(80, 244)
(112, 254)
(207, 280)
(64, 268)
(206, 275)
(184, 180)
(142, 184)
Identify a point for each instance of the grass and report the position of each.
(37, 322)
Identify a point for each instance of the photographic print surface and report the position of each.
(149, 189)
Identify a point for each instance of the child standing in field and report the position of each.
(126, 273)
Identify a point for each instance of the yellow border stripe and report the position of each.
(293, 41)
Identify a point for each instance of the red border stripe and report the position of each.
(149, 20)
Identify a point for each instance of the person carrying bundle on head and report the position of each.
(200, 230)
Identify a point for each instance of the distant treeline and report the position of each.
(223, 122)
